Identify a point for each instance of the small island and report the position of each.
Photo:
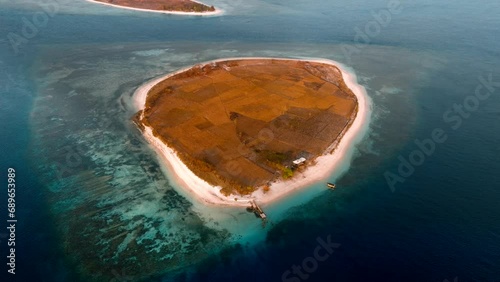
(185, 7)
(236, 130)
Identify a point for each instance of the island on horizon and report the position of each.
(245, 126)
(167, 6)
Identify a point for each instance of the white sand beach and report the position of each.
(324, 166)
(217, 12)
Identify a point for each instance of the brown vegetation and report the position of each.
(241, 123)
(163, 5)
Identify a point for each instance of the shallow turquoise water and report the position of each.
(93, 191)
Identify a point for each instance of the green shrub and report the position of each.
(287, 173)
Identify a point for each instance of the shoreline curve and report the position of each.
(325, 164)
(217, 12)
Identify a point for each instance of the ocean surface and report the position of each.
(418, 197)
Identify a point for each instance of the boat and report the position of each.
(330, 185)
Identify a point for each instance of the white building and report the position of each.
(299, 161)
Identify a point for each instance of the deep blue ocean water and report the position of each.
(442, 223)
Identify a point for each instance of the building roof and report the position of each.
(299, 161)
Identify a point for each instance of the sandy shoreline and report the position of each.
(217, 12)
(209, 194)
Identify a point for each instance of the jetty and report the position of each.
(257, 210)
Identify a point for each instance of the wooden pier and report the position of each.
(257, 210)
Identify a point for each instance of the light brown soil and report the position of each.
(241, 123)
(163, 5)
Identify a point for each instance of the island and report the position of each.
(184, 7)
(233, 131)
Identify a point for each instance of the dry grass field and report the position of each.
(163, 5)
(240, 124)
